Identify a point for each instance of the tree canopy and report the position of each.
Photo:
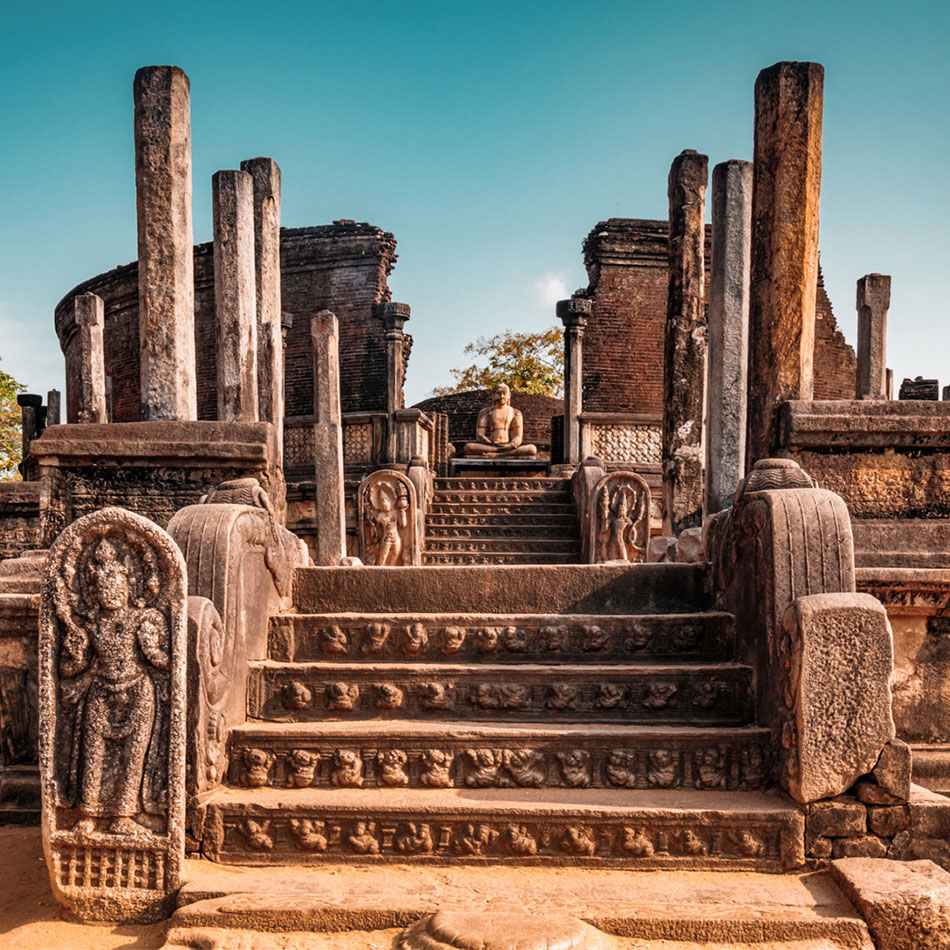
(527, 362)
(10, 436)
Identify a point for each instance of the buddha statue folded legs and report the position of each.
(499, 430)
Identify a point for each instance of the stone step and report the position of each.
(496, 484)
(471, 531)
(477, 755)
(566, 518)
(452, 510)
(575, 827)
(497, 559)
(712, 693)
(570, 588)
(748, 909)
(486, 544)
(448, 637)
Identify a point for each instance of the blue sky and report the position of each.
(489, 137)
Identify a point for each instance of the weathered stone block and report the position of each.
(838, 653)
(889, 820)
(867, 846)
(836, 819)
(820, 848)
(112, 700)
(906, 905)
(870, 793)
(893, 769)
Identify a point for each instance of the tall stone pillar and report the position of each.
(265, 173)
(234, 305)
(874, 297)
(53, 404)
(784, 281)
(394, 317)
(574, 314)
(728, 332)
(166, 264)
(30, 405)
(328, 439)
(684, 362)
(90, 319)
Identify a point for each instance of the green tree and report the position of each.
(10, 436)
(527, 362)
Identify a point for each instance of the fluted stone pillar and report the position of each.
(874, 297)
(573, 314)
(728, 332)
(165, 243)
(89, 314)
(328, 439)
(394, 317)
(265, 173)
(684, 361)
(234, 298)
(784, 280)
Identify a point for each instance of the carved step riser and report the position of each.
(570, 694)
(530, 519)
(455, 638)
(515, 508)
(460, 559)
(463, 545)
(536, 534)
(248, 835)
(711, 763)
(496, 485)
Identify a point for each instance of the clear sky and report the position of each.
(489, 137)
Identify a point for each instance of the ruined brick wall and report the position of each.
(341, 267)
(462, 410)
(627, 261)
(836, 366)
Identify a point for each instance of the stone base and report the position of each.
(488, 467)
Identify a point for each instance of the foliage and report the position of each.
(527, 362)
(10, 437)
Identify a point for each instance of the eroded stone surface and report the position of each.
(112, 698)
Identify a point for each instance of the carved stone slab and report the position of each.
(619, 519)
(112, 704)
(387, 515)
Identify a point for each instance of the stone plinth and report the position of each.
(920, 388)
(873, 299)
(234, 295)
(728, 332)
(684, 364)
(166, 268)
(784, 269)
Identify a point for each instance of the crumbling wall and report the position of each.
(836, 366)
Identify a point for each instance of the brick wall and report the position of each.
(835, 363)
(341, 267)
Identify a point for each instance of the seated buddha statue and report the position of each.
(499, 430)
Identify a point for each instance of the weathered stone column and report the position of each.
(787, 184)
(265, 173)
(30, 405)
(573, 314)
(394, 317)
(874, 297)
(234, 307)
(53, 404)
(166, 264)
(89, 312)
(328, 439)
(728, 355)
(684, 363)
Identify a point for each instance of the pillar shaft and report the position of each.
(728, 332)
(328, 439)
(166, 264)
(784, 278)
(89, 312)
(394, 317)
(234, 299)
(874, 297)
(53, 407)
(265, 173)
(685, 345)
(573, 314)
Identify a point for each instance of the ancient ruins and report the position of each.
(257, 612)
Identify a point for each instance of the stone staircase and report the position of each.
(587, 715)
(502, 521)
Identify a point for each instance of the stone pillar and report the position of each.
(53, 403)
(728, 333)
(265, 173)
(574, 314)
(394, 317)
(784, 281)
(328, 439)
(166, 264)
(30, 405)
(234, 307)
(874, 297)
(90, 319)
(684, 363)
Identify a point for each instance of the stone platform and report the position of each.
(499, 467)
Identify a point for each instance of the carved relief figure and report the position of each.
(499, 430)
(387, 515)
(620, 518)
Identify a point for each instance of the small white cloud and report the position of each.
(550, 288)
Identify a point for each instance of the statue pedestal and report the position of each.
(488, 467)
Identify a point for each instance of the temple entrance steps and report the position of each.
(502, 520)
(597, 716)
